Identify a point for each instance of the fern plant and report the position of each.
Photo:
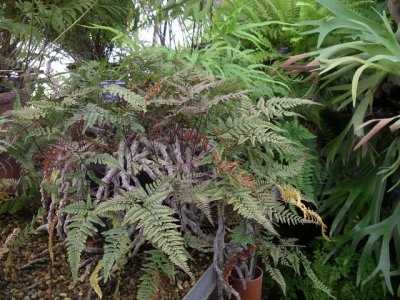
(285, 253)
(159, 167)
(147, 211)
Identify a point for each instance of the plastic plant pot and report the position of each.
(107, 96)
(253, 290)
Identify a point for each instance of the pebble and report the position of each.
(34, 296)
(27, 298)
(63, 295)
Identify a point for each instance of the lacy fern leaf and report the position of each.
(200, 195)
(277, 276)
(157, 266)
(318, 284)
(249, 207)
(117, 245)
(149, 286)
(80, 227)
(279, 107)
(104, 159)
(240, 236)
(147, 211)
(135, 101)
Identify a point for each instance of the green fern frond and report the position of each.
(28, 113)
(157, 260)
(72, 96)
(47, 132)
(93, 114)
(117, 245)
(279, 107)
(292, 261)
(80, 227)
(194, 241)
(249, 207)
(147, 211)
(277, 276)
(288, 171)
(135, 101)
(200, 195)
(250, 128)
(104, 159)
(240, 236)
(318, 284)
(120, 202)
(150, 284)
(157, 266)
(79, 208)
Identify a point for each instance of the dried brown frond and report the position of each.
(9, 241)
(292, 196)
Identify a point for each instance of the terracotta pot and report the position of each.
(253, 289)
(8, 167)
(7, 101)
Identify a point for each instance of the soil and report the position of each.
(26, 272)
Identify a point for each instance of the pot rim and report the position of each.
(257, 275)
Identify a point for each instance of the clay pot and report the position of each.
(8, 167)
(7, 101)
(253, 289)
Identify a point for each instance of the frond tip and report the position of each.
(290, 195)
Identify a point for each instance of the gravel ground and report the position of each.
(27, 273)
